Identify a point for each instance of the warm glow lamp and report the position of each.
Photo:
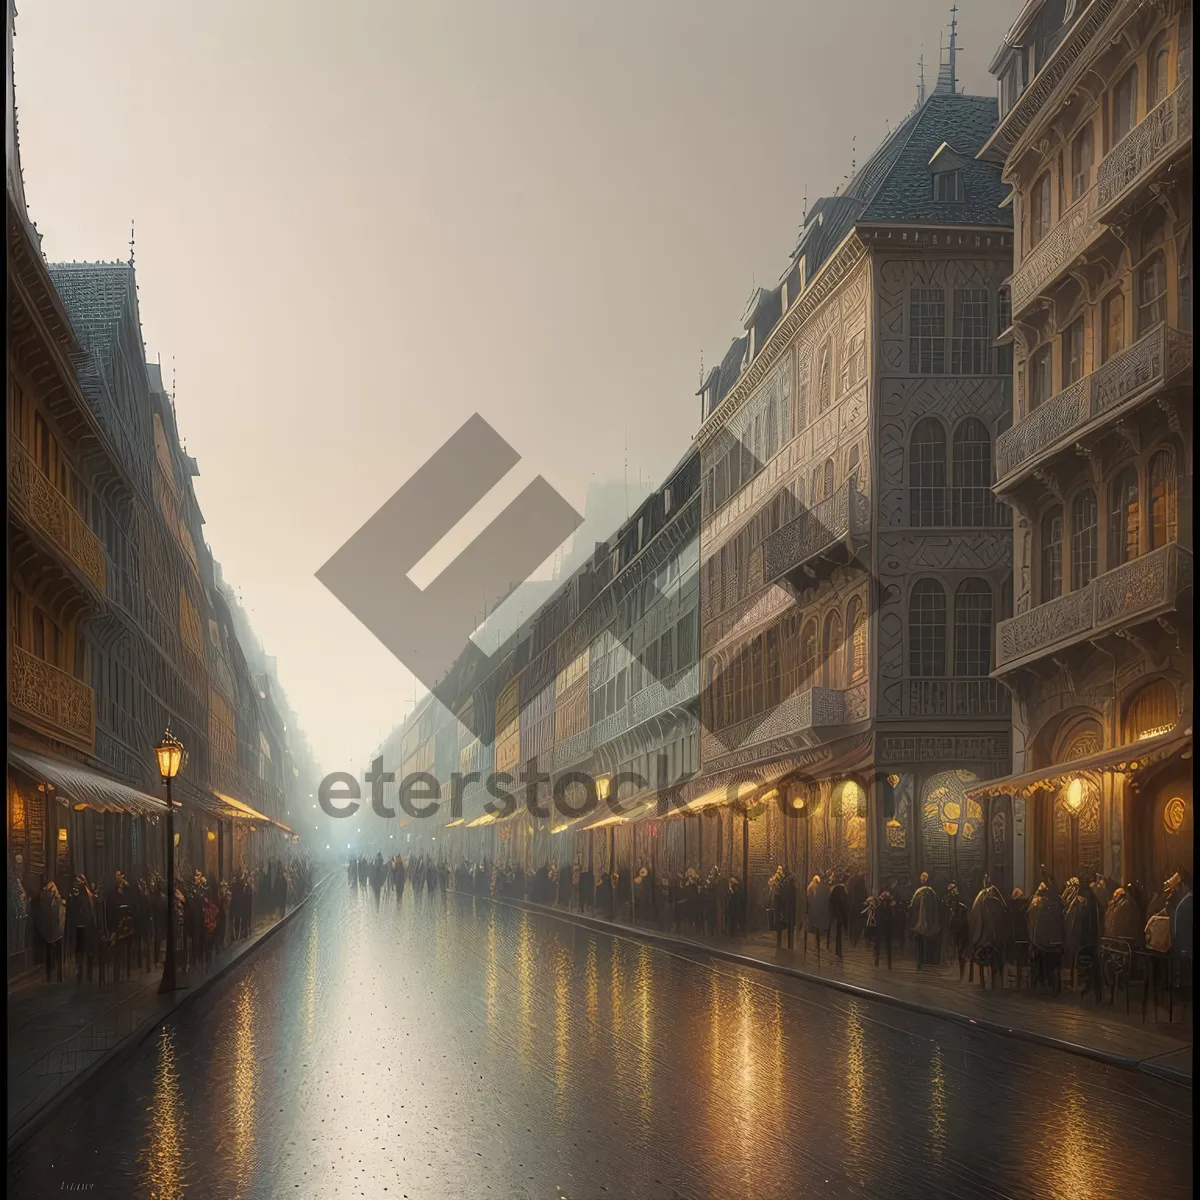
(169, 753)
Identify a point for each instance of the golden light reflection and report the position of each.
(562, 1021)
(162, 1157)
(245, 1081)
(525, 954)
(937, 1106)
(1065, 1153)
(643, 985)
(591, 991)
(491, 974)
(855, 1089)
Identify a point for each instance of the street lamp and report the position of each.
(170, 755)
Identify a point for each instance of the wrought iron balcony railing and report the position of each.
(840, 518)
(55, 700)
(955, 697)
(51, 513)
(1133, 592)
(1158, 356)
(1165, 130)
(1073, 233)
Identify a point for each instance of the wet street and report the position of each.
(452, 1047)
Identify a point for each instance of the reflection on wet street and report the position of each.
(452, 1047)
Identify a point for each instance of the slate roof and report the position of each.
(731, 366)
(894, 185)
(94, 294)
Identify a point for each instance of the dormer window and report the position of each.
(947, 186)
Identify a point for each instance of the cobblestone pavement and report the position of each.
(454, 1047)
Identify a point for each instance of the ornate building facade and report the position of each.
(118, 625)
(853, 558)
(1095, 138)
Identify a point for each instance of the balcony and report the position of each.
(1164, 133)
(826, 532)
(54, 701)
(955, 697)
(1134, 161)
(1092, 401)
(1127, 595)
(52, 515)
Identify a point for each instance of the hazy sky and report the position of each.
(358, 223)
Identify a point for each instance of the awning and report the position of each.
(1125, 759)
(241, 811)
(86, 787)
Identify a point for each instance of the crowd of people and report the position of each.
(101, 931)
(1055, 929)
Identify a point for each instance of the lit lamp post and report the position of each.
(170, 755)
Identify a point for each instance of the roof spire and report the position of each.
(921, 80)
(953, 41)
(131, 241)
(947, 80)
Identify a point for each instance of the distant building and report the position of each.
(1095, 137)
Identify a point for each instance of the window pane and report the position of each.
(927, 630)
(1164, 505)
(972, 493)
(970, 344)
(927, 467)
(1041, 380)
(1114, 325)
(927, 331)
(1072, 352)
(1051, 555)
(1039, 210)
(1081, 163)
(1152, 292)
(1125, 106)
(1085, 538)
(1123, 518)
(973, 629)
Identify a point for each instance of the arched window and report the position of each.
(825, 392)
(827, 487)
(831, 657)
(1158, 83)
(1151, 273)
(1153, 711)
(973, 629)
(853, 472)
(927, 473)
(927, 630)
(1164, 498)
(856, 641)
(808, 653)
(1085, 539)
(1052, 554)
(816, 486)
(1123, 517)
(972, 465)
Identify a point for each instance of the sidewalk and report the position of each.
(59, 1034)
(1064, 1022)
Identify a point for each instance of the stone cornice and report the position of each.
(1060, 72)
(832, 275)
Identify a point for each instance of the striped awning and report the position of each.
(243, 812)
(83, 786)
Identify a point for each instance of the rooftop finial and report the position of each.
(131, 241)
(921, 80)
(953, 42)
(853, 155)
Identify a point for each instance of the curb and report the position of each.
(670, 941)
(135, 1039)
